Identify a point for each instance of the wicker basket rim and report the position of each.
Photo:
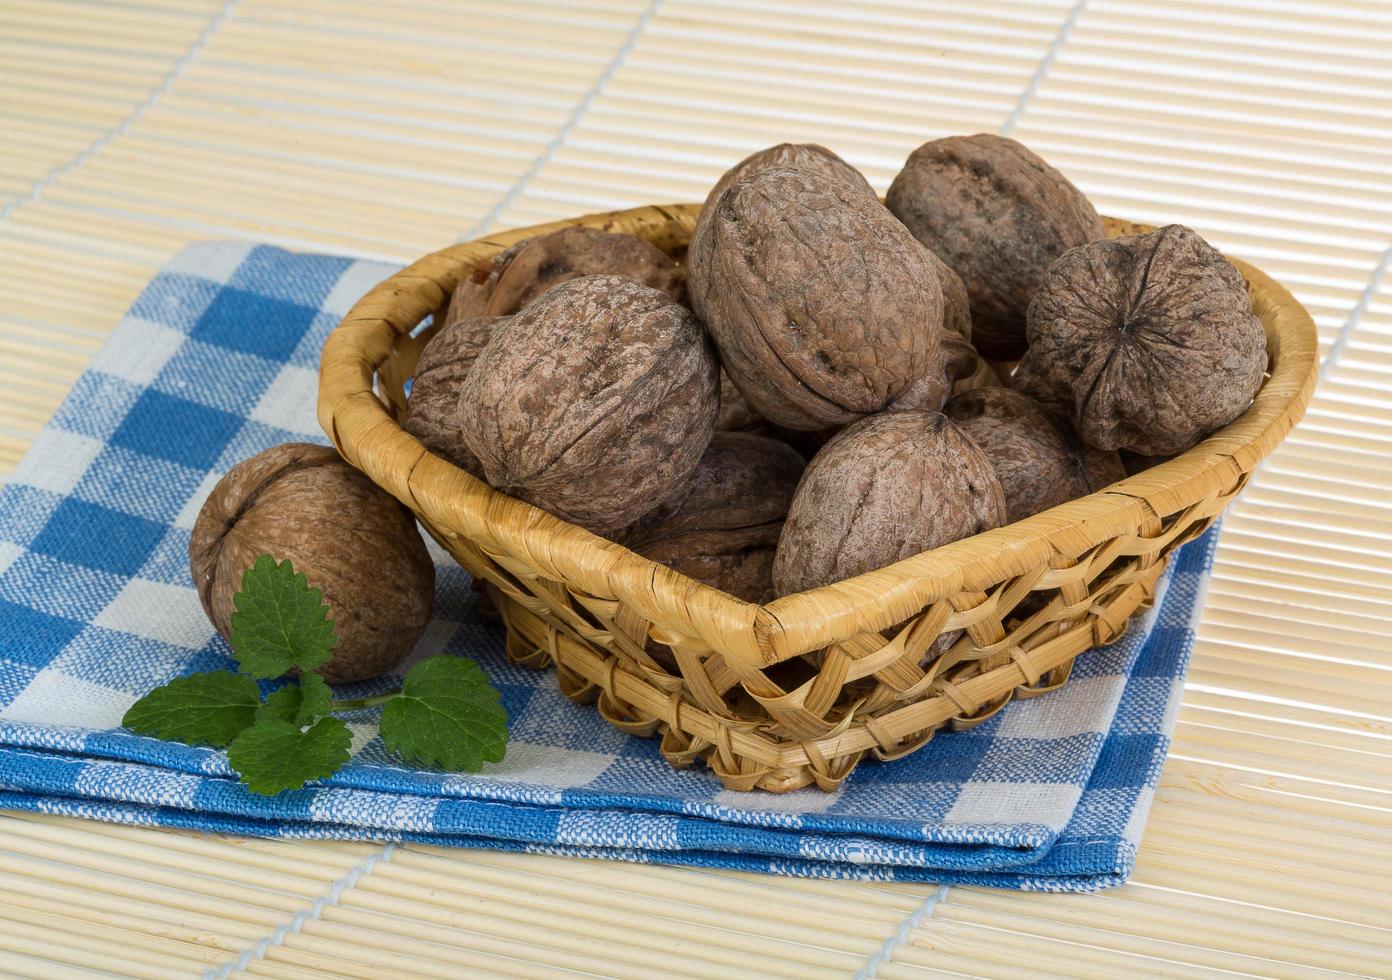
(359, 424)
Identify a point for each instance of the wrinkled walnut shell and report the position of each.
(432, 411)
(1148, 342)
(792, 156)
(594, 403)
(998, 215)
(722, 528)
(349, 537)
(823, 306)
(1039, 460)
(522, 273)
(885, 489)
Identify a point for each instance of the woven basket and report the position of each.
(740, 696)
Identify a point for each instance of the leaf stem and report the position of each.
(353, 704)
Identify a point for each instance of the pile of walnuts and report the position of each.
(829, 385)
(834, 383)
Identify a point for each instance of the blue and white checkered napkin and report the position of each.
(215, 362)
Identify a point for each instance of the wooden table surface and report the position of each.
(388, 130)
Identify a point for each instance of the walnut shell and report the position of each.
(594, 403)
(1040, 461)
(823, 306)
(998, 215)
(792, 156)
(432, 410)
(522, 273)
(885, 489)
(1148, 342)
(722, 527)
(349, 537)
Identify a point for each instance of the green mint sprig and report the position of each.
(446, 713)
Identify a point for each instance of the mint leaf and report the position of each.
(299, 703)
(200, 709)
(272, 756)
(447, 715)
(280, 622)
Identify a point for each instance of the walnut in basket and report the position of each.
(1039, 459)
(823, 306)
(432, 414)
(1148, 342)
(998, 215)
(885, 489)
(517, 276)
(819, 160)
(722, 527)
(350, 538)
(594, 403)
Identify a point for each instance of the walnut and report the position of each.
(823, 306)
(594, 402)
(792, 156)
(722, 527)
(350, 538)
(885, 489)
(1038, 458)
(517, 276)
(432, 414)
(1148, 342)
(998, 215)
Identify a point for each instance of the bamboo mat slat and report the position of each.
(389, 131)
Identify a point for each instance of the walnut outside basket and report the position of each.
(1029, 597)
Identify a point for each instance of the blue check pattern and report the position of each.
(216, 361)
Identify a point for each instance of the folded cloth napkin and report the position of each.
(216, 361)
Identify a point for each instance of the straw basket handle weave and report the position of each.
(725, 681)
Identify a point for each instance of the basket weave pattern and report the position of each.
(727, 682)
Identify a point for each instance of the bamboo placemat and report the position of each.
(390, 130)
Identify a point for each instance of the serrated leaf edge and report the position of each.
(483, 699)
(345, 750)
(246, 602)
(183, 680)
